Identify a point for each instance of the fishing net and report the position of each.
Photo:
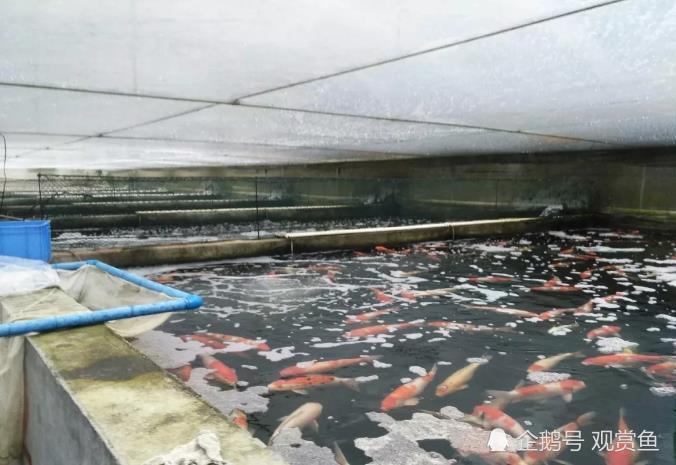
(32, 290)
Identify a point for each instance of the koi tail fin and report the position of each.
(585, 418)
(501, 397)
(351, 384)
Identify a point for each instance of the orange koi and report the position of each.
(381, 296)
(586, 274)
(325, 366)
(621, 451)
(665, 370)
(183, 372)
(383, 249)
(603, 331)
(221, 372)
(301, 383)
(379, 329)
(238, 417)
(623, 360)
(406, 394)
(367, 316)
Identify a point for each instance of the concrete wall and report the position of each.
(95, 400)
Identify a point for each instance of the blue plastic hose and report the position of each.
(185, 301)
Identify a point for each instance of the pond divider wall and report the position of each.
(314, 241)
(91, 398)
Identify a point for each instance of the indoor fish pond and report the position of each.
(417, 354)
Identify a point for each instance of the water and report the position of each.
(299, 305)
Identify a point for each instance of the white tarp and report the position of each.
(31, 290)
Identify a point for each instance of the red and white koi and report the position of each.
(301, 383)
(379, 329)
(555, 285)
(489, 417)
(325, 366)
(407, 394)
(467, 327)
(564, 389)
(204, 340)
(221, 372)
(228, 339)
(549, 446)
(506, 311)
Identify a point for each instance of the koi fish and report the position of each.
(441, 292)
(490, 279)
(548, 363)
(506, 311)
(586, 274)
(222, 372)
(564, 389)
(228, 339)
(458, 380)
(555, 285)
(623, 360)
(467, 327)
(323, 268)
(204, 340)
(379, 329)
(367, 316)
(502, 458)
(339, 456)
(555, 313)
(548, 447)
(381, 296)
(407, 394)
(489, 417)
(665, 370)
(408, 295)
(303, 416)
(300, 383)
(383, 249)
(238, 418)
(603, 331)
(182, 372)
(325, 366)
(621, 451)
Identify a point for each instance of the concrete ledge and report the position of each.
(325, 240)
(94, 399)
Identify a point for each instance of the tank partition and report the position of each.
(92, 398)
(325, 240)
(183, 301)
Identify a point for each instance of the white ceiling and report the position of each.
(152, 83)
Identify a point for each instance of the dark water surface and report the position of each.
(299, 308)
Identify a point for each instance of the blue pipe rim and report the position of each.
(184, 301)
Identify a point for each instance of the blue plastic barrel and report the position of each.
(26, 239)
